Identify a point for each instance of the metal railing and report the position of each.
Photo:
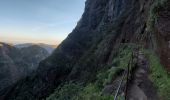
(127, 75)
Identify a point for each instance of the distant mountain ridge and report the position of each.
(49, 48)
(18, 63)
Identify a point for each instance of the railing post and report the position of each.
(127, 82)
(128, 75)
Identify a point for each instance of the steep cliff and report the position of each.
(90, 47)
(162, 32)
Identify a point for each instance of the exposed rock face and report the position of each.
(162, 31)
(16, 64)
(104, 25)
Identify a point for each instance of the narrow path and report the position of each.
(140, 87)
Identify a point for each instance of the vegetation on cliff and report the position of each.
(73, 91)
(154, 9)
(93, 90)
(158, 74)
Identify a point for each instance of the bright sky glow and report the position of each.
(38, 21)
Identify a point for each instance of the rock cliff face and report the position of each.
(16, 64)
(162, 33)
(104, 25)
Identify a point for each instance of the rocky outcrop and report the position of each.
(162, 33)
(120, 22)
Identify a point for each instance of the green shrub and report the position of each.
(114, 72)
(69, 91)
(101, 78)
(122, 60)
(156, 6)
(77, 92)
(92, 92)
(159, 75)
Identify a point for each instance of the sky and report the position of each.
(38, 21)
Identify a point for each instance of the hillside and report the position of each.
(16, 64)
(10, 65)
(49, 48)
(97, 50)
(33, 55)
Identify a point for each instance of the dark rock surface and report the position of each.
(162, 32)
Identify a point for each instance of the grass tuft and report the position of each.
(158, 75)
(156, 6)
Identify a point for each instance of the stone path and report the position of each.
(140, 87)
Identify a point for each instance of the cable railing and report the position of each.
(126, 76)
